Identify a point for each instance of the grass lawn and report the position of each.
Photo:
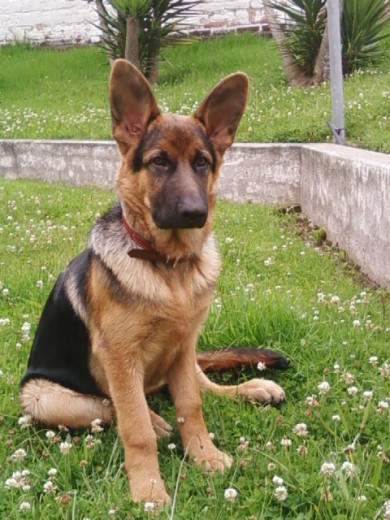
(63, 94)
(323, 454)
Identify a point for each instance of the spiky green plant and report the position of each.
(307, 20)
(157, 20)
(365, 24)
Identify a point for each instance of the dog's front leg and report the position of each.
(125, 380)
(185, 391)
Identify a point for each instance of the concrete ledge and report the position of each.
(344, 190)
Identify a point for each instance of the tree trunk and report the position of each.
(132, 49)
(103, 25)
(295, 76)
(152, 72)
(321, 67)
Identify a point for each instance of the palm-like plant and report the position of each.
(138, 29)
(307, 24)
(365, 25)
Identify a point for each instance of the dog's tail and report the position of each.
(228, 358)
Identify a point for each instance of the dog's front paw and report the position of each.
(262, 390)
(152, 491)
(213, 460)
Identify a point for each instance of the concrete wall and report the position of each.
(344, 190)
(69, 21)
(347, 192)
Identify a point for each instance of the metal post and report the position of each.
(336, 71)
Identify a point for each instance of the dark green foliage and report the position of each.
(308, 20)
(157, 19)
(365, 24)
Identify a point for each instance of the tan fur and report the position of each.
(145, 334)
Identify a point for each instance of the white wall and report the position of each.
(69, 21)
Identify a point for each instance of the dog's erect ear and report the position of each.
(222, 110)
(132, 103)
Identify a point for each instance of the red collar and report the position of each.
(144, 249)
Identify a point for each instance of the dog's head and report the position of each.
(170, 162)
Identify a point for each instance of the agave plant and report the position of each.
(307, 21)
(365, 25)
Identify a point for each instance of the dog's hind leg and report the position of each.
(262, 390)
(53, 404)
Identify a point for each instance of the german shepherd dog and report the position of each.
(124, 317)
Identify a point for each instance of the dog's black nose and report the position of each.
(192, 212)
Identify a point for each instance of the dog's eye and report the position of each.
(160, 161)
(201, 161)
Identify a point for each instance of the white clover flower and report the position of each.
(336, 367)
(300, 430)
(171, 446)
(52, 472)
(25, 421)
(18, 480)
(335, 299)
(278, 481)
(26, 327)
(269, 445)
(4, 322)
(285, 442)
(50, 435)
(320, 297)
(350, 447)
(96, 426)
(311, 401)
(271, 466)
(367, 394)
(261, 366)
(348, 378)
(328, 468)
(25, 506)
(228, 240)
(19, 454)
(356, 324)
(373, 360)
(352, 390)
(348, 468)
(49, 487)
(244, 443)
(65, 447)
(281, 493)
(323, 387)
(382, 406)
(268, 262)
(361, 498)
(148, 506)
(385, 370)
(230, 494)
(336, 418)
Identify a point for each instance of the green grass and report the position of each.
(277, 289)
(63, 94)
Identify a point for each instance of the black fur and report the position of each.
(60, 351)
